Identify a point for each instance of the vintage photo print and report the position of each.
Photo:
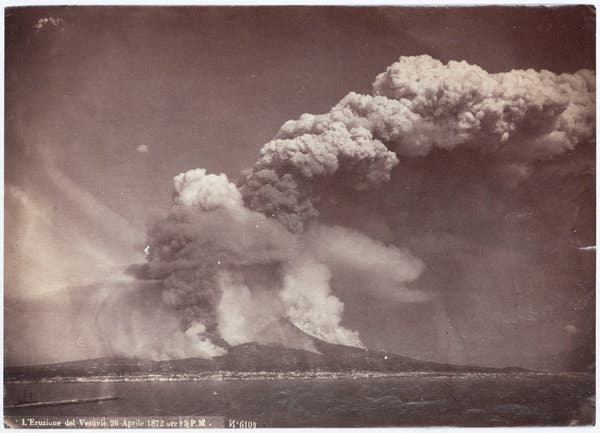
(299, 216)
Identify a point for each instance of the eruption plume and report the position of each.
(208, 230)
(310, 304)
(419, 103)
(280, 183)
(232, 257)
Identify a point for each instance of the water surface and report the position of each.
(395, 400)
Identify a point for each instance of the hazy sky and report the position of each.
(105, 105)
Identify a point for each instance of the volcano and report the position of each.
(284, 347)
(281, 347)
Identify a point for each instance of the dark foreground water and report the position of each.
(452, 400)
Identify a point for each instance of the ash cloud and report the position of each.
(234, 257)
(208, 231)
(419, 103)
(281, 182)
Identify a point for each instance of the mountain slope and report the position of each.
(273, 355)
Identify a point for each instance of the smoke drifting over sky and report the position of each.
(419, 104)
(439, 215)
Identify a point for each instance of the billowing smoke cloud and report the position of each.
(280, 183)
(207, 253)
(310, 304)
(208, 230)
(244, 311)
(234, 258)
(206, 191)
(419, 103)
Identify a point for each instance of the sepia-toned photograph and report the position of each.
(261, 216)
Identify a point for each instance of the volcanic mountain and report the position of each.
(281, 347)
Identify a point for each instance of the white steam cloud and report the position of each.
(311, 306)
(244, 313)
(207, 191)
(388, 268)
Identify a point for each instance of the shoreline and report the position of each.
(265, 375)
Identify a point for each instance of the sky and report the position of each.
(104, 106)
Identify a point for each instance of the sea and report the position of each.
(326, 399)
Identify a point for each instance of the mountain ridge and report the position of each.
(276, 355)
